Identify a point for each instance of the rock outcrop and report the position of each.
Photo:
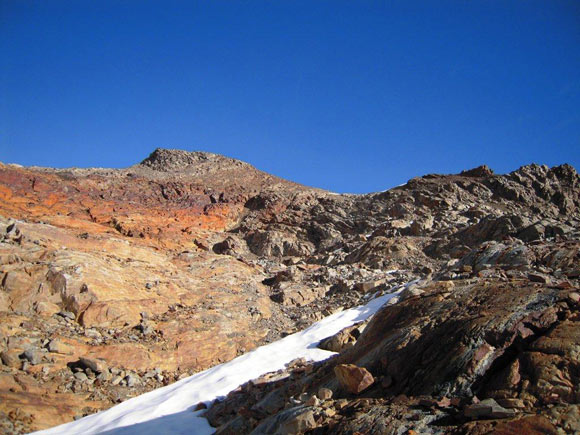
(115, 282)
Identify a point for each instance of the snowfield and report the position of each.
(169, 410)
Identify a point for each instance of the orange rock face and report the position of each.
(124, 255)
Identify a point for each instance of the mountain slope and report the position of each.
(116, 282)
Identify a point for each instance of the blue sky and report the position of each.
(352, 96)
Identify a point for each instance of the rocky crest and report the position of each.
(165, 160)
(115, 282)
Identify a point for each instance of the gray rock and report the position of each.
(96, 365)
(487, 408)
(105, 376)
(33, 356)
(81, 376)
(93, 333)
(67, 315)
(132, 380)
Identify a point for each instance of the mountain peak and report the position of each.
(170, 160)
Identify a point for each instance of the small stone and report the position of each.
(105, 376)
(93, 333)
(325, 393)
(487, 408)
(200, 406)
(313, 401)
(58, 346)
(445, 402)
(96, 365)
(132, 380)
(574, 297)
(67, 315)
(329, 412)
(116, 380)
(81, 376)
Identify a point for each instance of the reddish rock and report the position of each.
(352, 378)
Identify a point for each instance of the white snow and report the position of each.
(169, 410)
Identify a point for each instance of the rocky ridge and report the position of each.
(115, 282)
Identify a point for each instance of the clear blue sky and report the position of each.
(352, 96)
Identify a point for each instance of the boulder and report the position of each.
(353, 378)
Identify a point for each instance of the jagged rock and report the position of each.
(480, 171)
(354, 379)
(96, 365)
(487, 408)
(340, 341)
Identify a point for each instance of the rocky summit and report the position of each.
(115, 282)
